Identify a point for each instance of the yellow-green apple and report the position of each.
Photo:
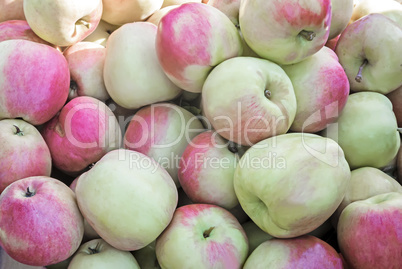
(365, 182)
(306, 251)
(128, 83)
(101, 33)
(292, 31)
(83, 131)
(157, 16)
(202, 235)
(396, 99)
(40, 222)
(128, 11)
(186, 62)
(23, 152)
(390, 8)
(146, 257)
(18, 29)
(98, 254)
(7, 262)
(61, 22)
(206, 170)
(167, 3)
(248, 99)
(341, 11)
(11, 10)
(291, 184)
(162, 131)
(255, 235)
(321, 93)
(366, 130)
(35, 81)
(128, 198)
(369, 232)
(361, 52)
(86, 61)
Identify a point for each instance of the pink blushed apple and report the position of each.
(34, 81)
(18, 29)
(47, 226)
(11, 10)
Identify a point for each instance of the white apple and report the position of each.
(146, 257)
(248, 99)
(285, 31)
(61, 22)
(371, 56)
(127, 198)
(229, 7)
(98, 254)
(101, 33)
(390, 8)
(202, 236)
(341, 11)
(132, 73)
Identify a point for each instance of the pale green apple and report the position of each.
(390, 8)
(341, 13)
(146, 257)
(101, 33)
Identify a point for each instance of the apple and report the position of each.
(11, 10)
(370, 56)
(7, 262)
(167, 3)
(122, 114)
(100, 255)
(248, 99)
(128, 11)
(146, 257)
(61, 22)
(229, 7)
(366, 130)
(132, 73)
(83, 131)
(206, 170)
(291, 184)
(331, 43)
(204, 235)
(306, 251)
(18, 29)
(162, 131)
(365, 182)
(255, 235)
(157, 16)
(399, 166)
(341, 12)
(23, 152)
(188, 63)
(321, 92)
(47, 226)
(390, 8)
(293, 31)
(101, 33)
(35, 81)
(86, 61)
(127, 198)
(369, 232)
(396, 99)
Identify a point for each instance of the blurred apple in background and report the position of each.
(47, 225)
(369, 232)
(301, 252)
(61, 22)
(204, 235)
(390, 8)
(11, 10)
(101, 33)
(366, 130)
(127, 198)
(396, 99)
(19, 29)
(293, 31)
(291, 184)
(248, 99)
(98, 254)
(86, 61)
(321, 92)
(341, 12)
(229, 7)
(23, 152)
(185, 62)
(35, 81)
(371, 56)
(83, 131)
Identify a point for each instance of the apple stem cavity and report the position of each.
(232, 147)
(208, 232)
(73, 86)
(18, 131)
(83, 22)
(308, 35)
(359, 77)
(267, 93)
(29, 193)
(94, 250)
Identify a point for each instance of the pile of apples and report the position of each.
(200, 134)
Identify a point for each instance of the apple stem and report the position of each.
(85, 23)
(208, 232)
(18, 131)
(308, 35)
(232, 147)
(94, 250)
(359, 77)
(29, 193)
(399, 130)
(267, 93)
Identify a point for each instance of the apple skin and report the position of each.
(86, 61)
(306, 251)
(130, 186)
(331, 43)
(396, 99)
(167, 3)
(278, 37)
(341, 13)
(185, 62)
(101, 33)
(33, 203)
(321, 93)
(235, 103)
(11, 10)
(19, 29)
(389, 8)
(35, 81)
(366, 130)
(98, 254)
(364, 41)
(23, 152)
(157, 16)
(368, 232)
(63, 23)
(301, 174)
(204, 235)
(162, 131)
(7, 262)
(83, 131)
